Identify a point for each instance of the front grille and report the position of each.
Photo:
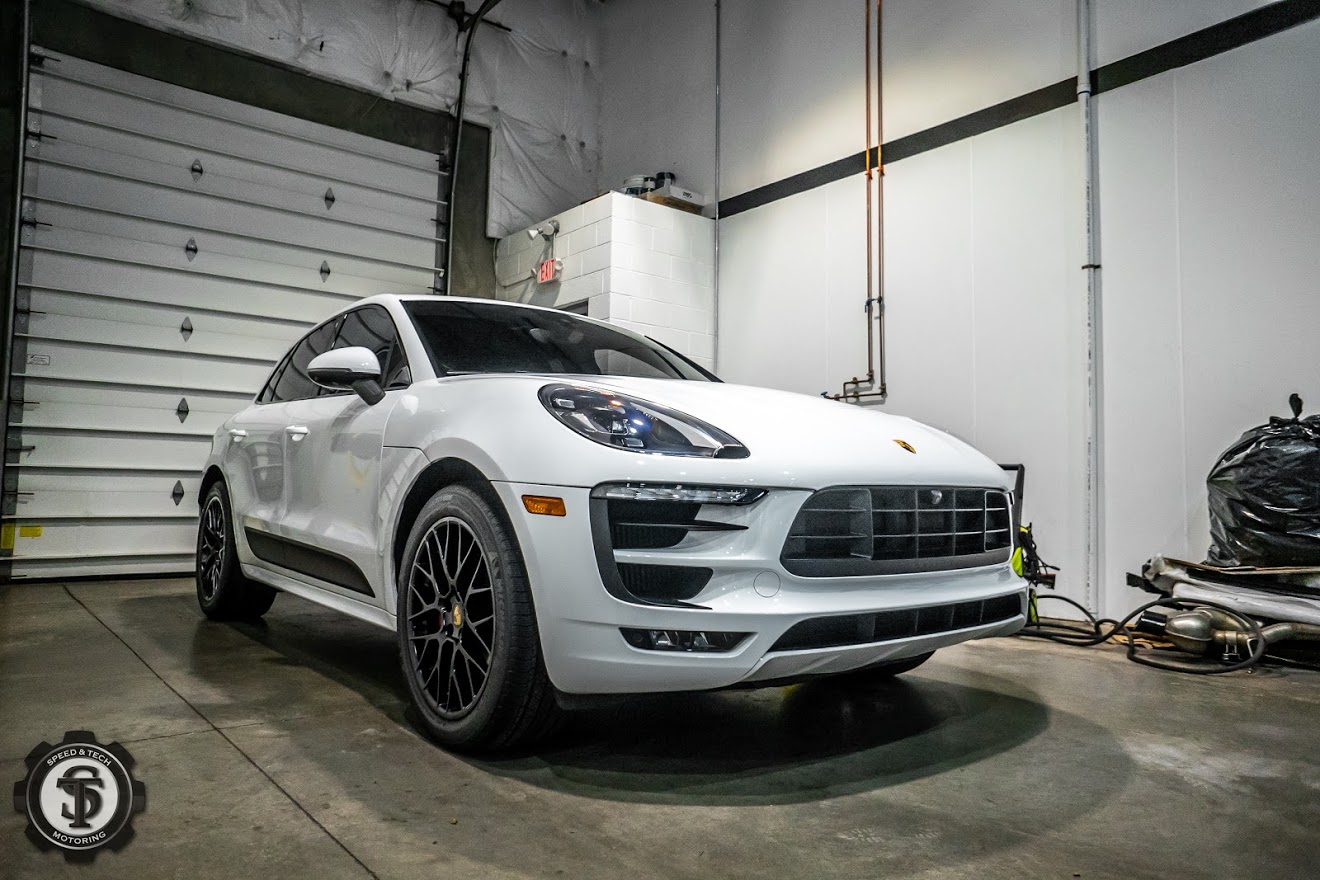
(866, 530)
(884, 626)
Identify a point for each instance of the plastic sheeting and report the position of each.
(535, 86)
(1264, 495)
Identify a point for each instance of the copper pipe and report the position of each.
(875, 225)
(877, 318)
(870, 241)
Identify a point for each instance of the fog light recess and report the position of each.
(692, 641)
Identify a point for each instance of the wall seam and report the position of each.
(971, 250)
(1178, 294)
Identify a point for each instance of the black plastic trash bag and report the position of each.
(1265, 495)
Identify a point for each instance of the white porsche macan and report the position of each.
(543, 506)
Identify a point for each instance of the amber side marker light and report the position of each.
(544, 506)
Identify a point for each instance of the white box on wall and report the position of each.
(637, 264)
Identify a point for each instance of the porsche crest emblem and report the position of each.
(906, 445)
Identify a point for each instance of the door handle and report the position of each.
(297, 432)
(237, 433)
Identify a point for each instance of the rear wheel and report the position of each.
(222, 590)
(468, 640)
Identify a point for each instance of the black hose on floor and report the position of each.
(1095, 633)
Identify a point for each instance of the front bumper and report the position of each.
(749, 591)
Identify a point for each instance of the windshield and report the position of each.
(467, 337)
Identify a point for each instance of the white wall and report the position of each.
(977, 260)
(1211, 232)
(658, 110)
(1209, 235)
(980, 253)
(635, 263)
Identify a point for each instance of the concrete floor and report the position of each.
(284, 749)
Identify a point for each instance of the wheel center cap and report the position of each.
(457, 614)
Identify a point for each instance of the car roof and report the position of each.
(432, 297)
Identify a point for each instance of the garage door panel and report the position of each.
(174, 205)
(210, 241)
(183, 176)
(82, 565)
(306, 186)
(162, 420)
(92, 276)
(46, 392)
(60, 495)
(82, 538)
(250, 327)
(109, 97)
(179, 257)
(81, 361)
(57, 327)
(117, 398)
(98, 450)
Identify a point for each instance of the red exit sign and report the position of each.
(549, 270)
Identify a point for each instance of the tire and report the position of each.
(222, 590)
(883, 671)
(463, 597)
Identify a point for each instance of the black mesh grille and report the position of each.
(626, 524)
(883, 626)
(861, 530)
(664, 583)
(649, 525)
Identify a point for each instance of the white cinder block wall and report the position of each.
(1208, 240)
(633, 263)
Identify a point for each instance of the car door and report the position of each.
(332, 448)
(254, 461)
(254, 458)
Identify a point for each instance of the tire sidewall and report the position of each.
(506, 574)
(229, 556)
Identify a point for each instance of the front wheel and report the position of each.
(222, 590)
(468, 640)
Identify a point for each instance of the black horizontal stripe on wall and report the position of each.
(1197, 46)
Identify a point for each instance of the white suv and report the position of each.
(540, 506)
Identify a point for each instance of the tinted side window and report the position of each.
(371, 327)
(293, 383)
(267, 394)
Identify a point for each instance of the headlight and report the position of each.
(636, 425)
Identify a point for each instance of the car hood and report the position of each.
(794, 439)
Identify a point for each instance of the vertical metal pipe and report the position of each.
(875, 222)
(23, 59)
(716, 298)
(878, 318)
(870, 216)
(1091, 272)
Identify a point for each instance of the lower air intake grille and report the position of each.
(884, 626)
(866, 530)
(664, 583)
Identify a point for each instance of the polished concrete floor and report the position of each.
(284, 749)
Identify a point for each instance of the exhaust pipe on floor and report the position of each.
(1203, 631)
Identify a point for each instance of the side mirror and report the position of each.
(349, 369)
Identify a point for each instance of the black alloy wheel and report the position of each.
(222, 590)
(211, 539)
(451, 617)
(469, 646)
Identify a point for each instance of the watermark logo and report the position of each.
(80, 796)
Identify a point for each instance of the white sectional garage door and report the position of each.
(174, 244)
